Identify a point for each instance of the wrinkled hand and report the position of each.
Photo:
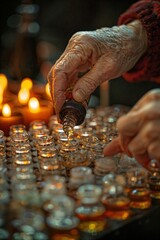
(139, 130)
(103, 54)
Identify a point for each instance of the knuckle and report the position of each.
(153, 94)
(90, 83)
(153, 149)
(152, 130)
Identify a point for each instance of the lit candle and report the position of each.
(23, 96)
(37, 110)
(7, 119)
(3, 81)
(47, 91)
(5, 95)
(27, 83)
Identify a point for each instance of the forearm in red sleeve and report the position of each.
(148, 66)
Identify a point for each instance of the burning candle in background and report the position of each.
(36, 110)
(3, 81)
(34, 105)
(1, 97)
(27, 83)
(23, 96)
(5, 94)
(7, 118)
(3, 86)
(47, 91)
(6, 110)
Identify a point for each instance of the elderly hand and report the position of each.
(103, 54)
(139, 130)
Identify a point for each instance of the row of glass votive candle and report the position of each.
(91, 182)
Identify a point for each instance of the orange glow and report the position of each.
(33, 105)
(3, 81)
(6, 110)
(47, 90)
(27, 83)
(1, 94)
(23, 95)
(1, 99)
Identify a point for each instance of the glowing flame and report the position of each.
(6, 110)
(33, 105)
(27, 83)
(3, 81)
(1, 94)
(1, 99)
(23, 95)
(47, 90)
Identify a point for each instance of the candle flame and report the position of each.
(47, 90)
(1, 94)
(27, 83)
(33, 105)
(23, 95)
(3, 81)
(6, 110)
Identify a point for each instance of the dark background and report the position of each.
(32, 55)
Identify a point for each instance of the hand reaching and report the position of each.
(139, 130)
(103, 54)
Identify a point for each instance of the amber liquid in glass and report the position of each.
(140, 198)
(117, 208)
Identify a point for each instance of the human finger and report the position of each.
(143, 159)
(154, 150)
(112, 148)
(152, 95)
(62, 74)
(149, 132)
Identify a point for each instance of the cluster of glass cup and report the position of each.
(63, 184)
(4, 188)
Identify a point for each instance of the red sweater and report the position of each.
(148, 67)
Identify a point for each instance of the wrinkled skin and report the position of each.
(102, 55)
(139, 130)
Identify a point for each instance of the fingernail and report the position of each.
(79, 95)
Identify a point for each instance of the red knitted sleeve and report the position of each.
(148, 67)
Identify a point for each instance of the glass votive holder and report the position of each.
(20, 137)
(26, 194)
(137, 188)
(92, 143)
(37, 125)
(80, 175)
(51, 166)
(27, 223)
(101, 134)
(104, 166)
(22, 159)
(68, 145)
(58, 132)
(44, 141)
(48, 151)
(83, 133)
(89, 206)
(21, 169)
(62, 217)
(2, 139)
(154, 178)
(54, 185)
(80, 157)
(20, 149)
(136, 177)
(15, 129)
(114, 197)
(40, 133)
